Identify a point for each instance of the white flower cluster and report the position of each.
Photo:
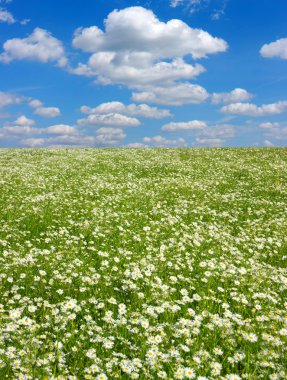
(143, 264)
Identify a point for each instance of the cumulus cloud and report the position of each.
(140, 110)
(136, 49)
(268, 144)
(215, 136)
(208, 135)
(48, 112)
(6, 16)
(23, 121)
(21, 126)
(138, 30)
(33, 142)
(20, 130)
(7, 99)
(275, 49)
(218, 131)
(39, 46)
(136, 72)
(275, 131)
(110, 119)
(61, 129)
(209, 142)
(176, 95)
(63, 140)
(162, 142)
(249, 109)
(109, 136)
(35, 103)
(236, 95)
(184, 126)
(136, 145)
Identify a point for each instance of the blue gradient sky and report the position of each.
(216, 77)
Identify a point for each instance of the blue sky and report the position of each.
(165, 73)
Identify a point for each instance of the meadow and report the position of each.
(143, 264)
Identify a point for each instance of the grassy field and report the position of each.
(143, 264)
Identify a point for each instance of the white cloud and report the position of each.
(269, 125)
(218, 131)
(138, 30)
(110, 119)
(184, 126)
(275, 49)
(162, 142)
(139, 51)
(20, 130)
(61, 129)
(6, 16)
(49, 112)
(249, 109)
(275, 131)
(33, 142)
(178, 94)
(109, 136)
(21, 126)
(35, 103)
(39, 46)
(140, 110)
(136, 73)
(236, 95)
(64, 140)
(268, 143)
(136, 145)
(210, 142)
(208, 135)
(7, 99)
(23, 121)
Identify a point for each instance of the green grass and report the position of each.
(143, 263)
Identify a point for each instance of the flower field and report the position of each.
(143, 264)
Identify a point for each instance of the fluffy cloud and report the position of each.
(6, 16)
(138, 30)
(176, 95)
(268, 143)
(140, 110)
(162, 142)
(275, 49)
(209, 142)
(218, 131)
(249, 109)
(110, 119)
(23, 121)
(207, 135)
(33, 142)
(39, 46)
(35, 103)
(141, 52)
(187, 126)
(109, 136)
(7, 99)
(274, 131)
(136, 145)
(135, 72)
(20, 130)
(215, 136)
(48, 112)
(21, 126)
(63, 140)
(61, 129)
(236, 95)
